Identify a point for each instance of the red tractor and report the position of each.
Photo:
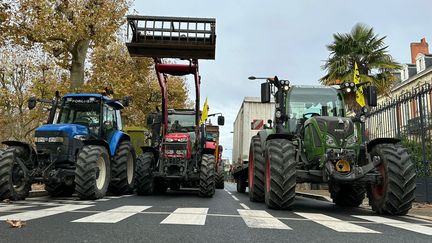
(176, 156)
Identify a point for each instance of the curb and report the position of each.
(38, 193)
(314, 196)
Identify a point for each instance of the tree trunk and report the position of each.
(79, 54)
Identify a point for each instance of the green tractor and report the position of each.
(312, 140)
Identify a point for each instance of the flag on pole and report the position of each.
(359, 93)
(204, 113)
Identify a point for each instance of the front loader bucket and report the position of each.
(171, 37)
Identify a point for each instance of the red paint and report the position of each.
(210, 145)
(378, 191)
(176, 137)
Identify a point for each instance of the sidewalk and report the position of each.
(419, 210)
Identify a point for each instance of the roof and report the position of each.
(114, 103)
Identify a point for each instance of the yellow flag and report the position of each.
(204, 113)
(359, 93)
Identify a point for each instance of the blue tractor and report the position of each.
(81, 149)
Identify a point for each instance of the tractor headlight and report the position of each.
(330, 141)
(278, 114)
(55, 139)
(351, 141)
(352, 84)
(181, 152)
(183, 140)
(348, 90)
(169, 151)
(169, 140)
(80, 137)
(286, 87)
(41, 139)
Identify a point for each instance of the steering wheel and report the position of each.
(312, 114)
(84, 120)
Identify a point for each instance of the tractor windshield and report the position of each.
(181, 122)
(307, 101)
(80, 110)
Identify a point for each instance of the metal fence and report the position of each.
(409, 118)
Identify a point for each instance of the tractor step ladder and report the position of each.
(171, 37)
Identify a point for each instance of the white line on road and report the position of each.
(114, 215)
(189, 216)
(12, 208)
(244, 206)
(261, 219)
(398, 224)
(29, 215)
(103, 200)
(235, 198)
(229, 192)
(335, 224)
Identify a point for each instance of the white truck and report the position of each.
(252, 117)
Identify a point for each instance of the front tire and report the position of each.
(280, 174)
(394, 196)
(207, 176)
(256, 170)
(14, 181)
(92, 173)
(123, 169)
(144, 184)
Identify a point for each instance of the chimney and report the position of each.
(418, 47)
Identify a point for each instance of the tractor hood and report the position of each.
(338, 127)
(61, 129)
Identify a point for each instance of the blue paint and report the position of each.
(70, 129)
(114, 139)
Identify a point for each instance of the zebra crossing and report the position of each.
(198, 216)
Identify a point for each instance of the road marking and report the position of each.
(244, 206)
(336, 224)
(417, 218)
(102, 200)
(29, 215)
(113, 197)
(398, 224)
(12, 207)
(261, 219)
(229, 192)
(114, 215)
(235, 198)
(189, 216)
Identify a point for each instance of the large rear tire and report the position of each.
(92, 173)
(394, 196)
(280, 174)
(144, 183)
(14, 181)
(347, 195)
(256, 170)
(59, 189)
(207, 176)
(123, 169)
(220, 179)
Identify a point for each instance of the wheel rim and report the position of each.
(378, 191)
(18, 178)
(100, 181)
(130, 169)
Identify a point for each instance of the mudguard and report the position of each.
(377, 141)
(99, 142)
(28, 148)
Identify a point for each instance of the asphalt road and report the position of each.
(184, 217)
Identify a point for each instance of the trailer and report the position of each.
(252, 117)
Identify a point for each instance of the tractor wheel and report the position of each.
(241, 184)
(59, 189)
(14, 181)
(92, 173)
(207, 176)
(123, 169)
(394, 196)
(144, 183)
(219, 180)
(347, 195)
(256, 170)
(280, 174)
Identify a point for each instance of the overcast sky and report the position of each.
(285, 38)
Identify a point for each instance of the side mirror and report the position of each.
(150, 119)
(221, 120)
(31, 103)
(265, 92)
(371, 96)
(126, 101)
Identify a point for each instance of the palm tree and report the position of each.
(366, 48)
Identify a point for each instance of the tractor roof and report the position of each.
(114, 103)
